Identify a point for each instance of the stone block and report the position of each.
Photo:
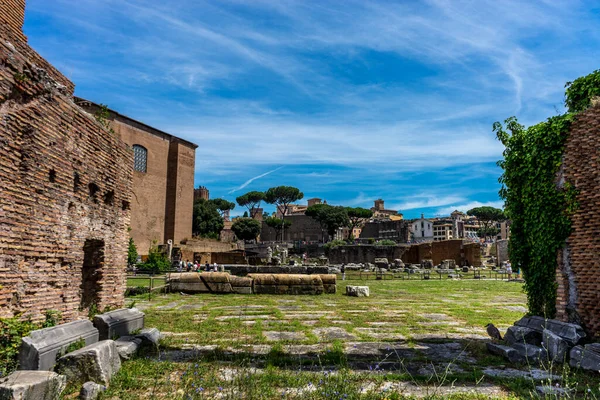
(241, 289)
(149, 337)
(530, 353)
(32, 385)
(330, 289)
(556, 347)
(572, 333)
(117, 323)
(127, 346)
(357, 291)
(97, 362)
(506, 352)
(42, 347)
(91, 391)
(520, 334)
(585, 357)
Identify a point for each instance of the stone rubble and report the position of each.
(97, 362)
(32, 385)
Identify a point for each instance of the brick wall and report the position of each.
(365, 253)
(578, 272)
(12, 16)
(65, 192)
(303, 228)
(456, 250)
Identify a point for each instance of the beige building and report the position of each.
(163, 180)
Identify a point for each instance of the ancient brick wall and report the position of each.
(65, 193)
(303, 228)
(456, 250)
(12, 16)
(163, 198)
(365, 253)
(578, 273)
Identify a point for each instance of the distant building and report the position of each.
(163, 179)
(443, 229)
(397, 231)
(421, 230)
(201, 193)
(379, 210)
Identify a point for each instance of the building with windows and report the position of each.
(421, 230)
(443, 229)
(163, 179)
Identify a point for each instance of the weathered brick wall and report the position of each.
(12, 16)
(365, 253)
(65, 184)
(456, 250)
(578, 272)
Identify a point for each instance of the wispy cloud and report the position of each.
(467, 206)
(249, 181)
(386, 99)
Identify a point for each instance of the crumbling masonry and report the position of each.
(578, 272)
(65, 187)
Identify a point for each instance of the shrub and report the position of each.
(385, 242)
(156, 262)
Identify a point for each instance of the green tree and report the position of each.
(487, 216)
(207, 220)
(132, 253)
(157, 261)
(331, 218)
(222, 205)
(357, 217)
(490, 231)
(251, 201)
(282, 197)
(246, 228)
(245, 214)
(278, 225)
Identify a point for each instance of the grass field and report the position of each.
(408, 339)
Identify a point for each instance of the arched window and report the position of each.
(140, 158)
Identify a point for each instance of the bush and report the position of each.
(156, 262)
(385, 242)
(11, 332)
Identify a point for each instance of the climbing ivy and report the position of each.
(581, 91)
(537, 203)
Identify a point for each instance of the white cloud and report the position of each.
(249, 181)
(467, 206)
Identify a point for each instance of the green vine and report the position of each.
(538, 204)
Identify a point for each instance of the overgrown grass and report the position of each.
(243, 361)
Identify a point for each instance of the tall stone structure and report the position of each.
(65, 189)
(578, 273)
(163, 179)
(201, 193)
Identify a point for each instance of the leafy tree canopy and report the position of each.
(487, 213)
(283, 196)
(357, 216)
(132, 253)
(331, 218)
(246, 228)
(207, 221)
(251, 200)
(278, 224)
(222, 205)
(580, 92)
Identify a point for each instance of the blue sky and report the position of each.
(349, 101)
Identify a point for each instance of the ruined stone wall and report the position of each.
(303, 228)
(456, 250)
(364, 253)
(12, 16)
(65, 194)
(578, 273)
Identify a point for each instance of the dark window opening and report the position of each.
(93, 190)
(109, 197)
(125, 205)
(140, 158)
(91, 272)
(71, 205)
(52, 176)
(76, 181)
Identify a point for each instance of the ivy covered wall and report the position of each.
(549, 170)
